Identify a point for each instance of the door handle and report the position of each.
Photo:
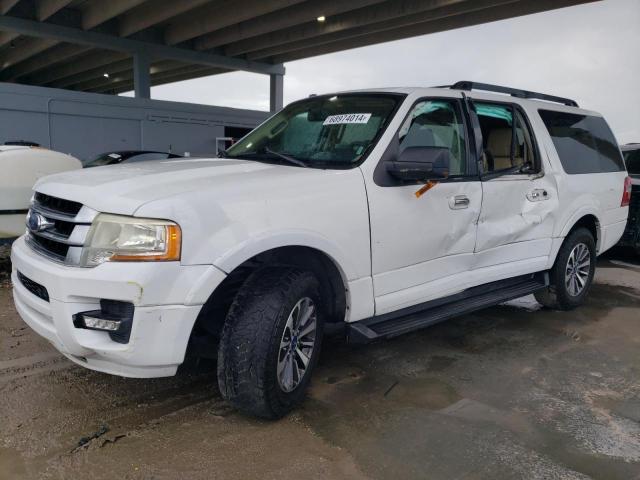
(538, 195)
(459, 202)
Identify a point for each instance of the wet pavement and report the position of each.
(514, 391)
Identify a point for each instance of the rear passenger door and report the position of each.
(516, 221)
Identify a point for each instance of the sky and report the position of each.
(590, 53)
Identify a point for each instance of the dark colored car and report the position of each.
(631, 237)
(129, 156)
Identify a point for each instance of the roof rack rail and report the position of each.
(514, 92)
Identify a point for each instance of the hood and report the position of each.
(124, 188)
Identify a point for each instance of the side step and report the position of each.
(429, 313)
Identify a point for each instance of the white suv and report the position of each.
(387, 210)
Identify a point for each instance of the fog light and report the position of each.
(114, 317)
(101, 323)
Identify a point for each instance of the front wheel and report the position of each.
(572, 272)
(270, 342)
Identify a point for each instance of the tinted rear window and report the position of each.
(632, 159)
(585, 144)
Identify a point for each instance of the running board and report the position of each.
(436, 311)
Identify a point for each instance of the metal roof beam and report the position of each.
(54, 55)
(7, 37)
(92, 60)
(186, 73)
(27, 48)
(152, 13)
(112, 69)
(459, 21)
(220, 14)
(99, 11)
(157, 51)
(353, 24)
(285, 18)
(43, 10)
(6, 5)
(46, 8)
(127, 75)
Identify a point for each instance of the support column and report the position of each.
(141, 75)
(276, 92)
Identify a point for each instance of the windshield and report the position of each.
(632, 159)
(335, 131)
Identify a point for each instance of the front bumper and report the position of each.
(167, 298)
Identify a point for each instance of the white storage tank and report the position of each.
(21, 165)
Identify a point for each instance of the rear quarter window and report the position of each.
(585, 143)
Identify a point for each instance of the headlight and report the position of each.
(115, 238)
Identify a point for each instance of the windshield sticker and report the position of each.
(347, 118)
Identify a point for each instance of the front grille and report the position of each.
(57, 204)
(35, 288)
(58, 228)
(56, 250)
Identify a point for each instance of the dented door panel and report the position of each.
(518, 209)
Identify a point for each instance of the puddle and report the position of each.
(438, 363)
(427, 393)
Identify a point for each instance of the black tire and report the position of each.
(558, 296)
(250, 345)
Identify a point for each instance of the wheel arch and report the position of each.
(588, 220)
(330, 274)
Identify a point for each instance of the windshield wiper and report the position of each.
(284, 156)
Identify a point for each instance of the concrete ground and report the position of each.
(509, 392)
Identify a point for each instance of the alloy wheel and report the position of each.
(578, 269)
(297, 344)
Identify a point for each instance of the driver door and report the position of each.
(422, 247)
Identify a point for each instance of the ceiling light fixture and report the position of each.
(321, 18)
(105, 75)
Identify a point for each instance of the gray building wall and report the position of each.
(87, 124)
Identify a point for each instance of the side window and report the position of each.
(507, 141)
(437, 124)
(585, 143)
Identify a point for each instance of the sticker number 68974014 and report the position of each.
(347, 118)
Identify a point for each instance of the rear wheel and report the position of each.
(572, 272)
(270, 342)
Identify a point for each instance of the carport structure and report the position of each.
(116, 46)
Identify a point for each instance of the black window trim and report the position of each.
(382, 179)
(538, 166)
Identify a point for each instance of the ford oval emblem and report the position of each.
(38, 223)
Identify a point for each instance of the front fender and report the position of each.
(293, 238)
